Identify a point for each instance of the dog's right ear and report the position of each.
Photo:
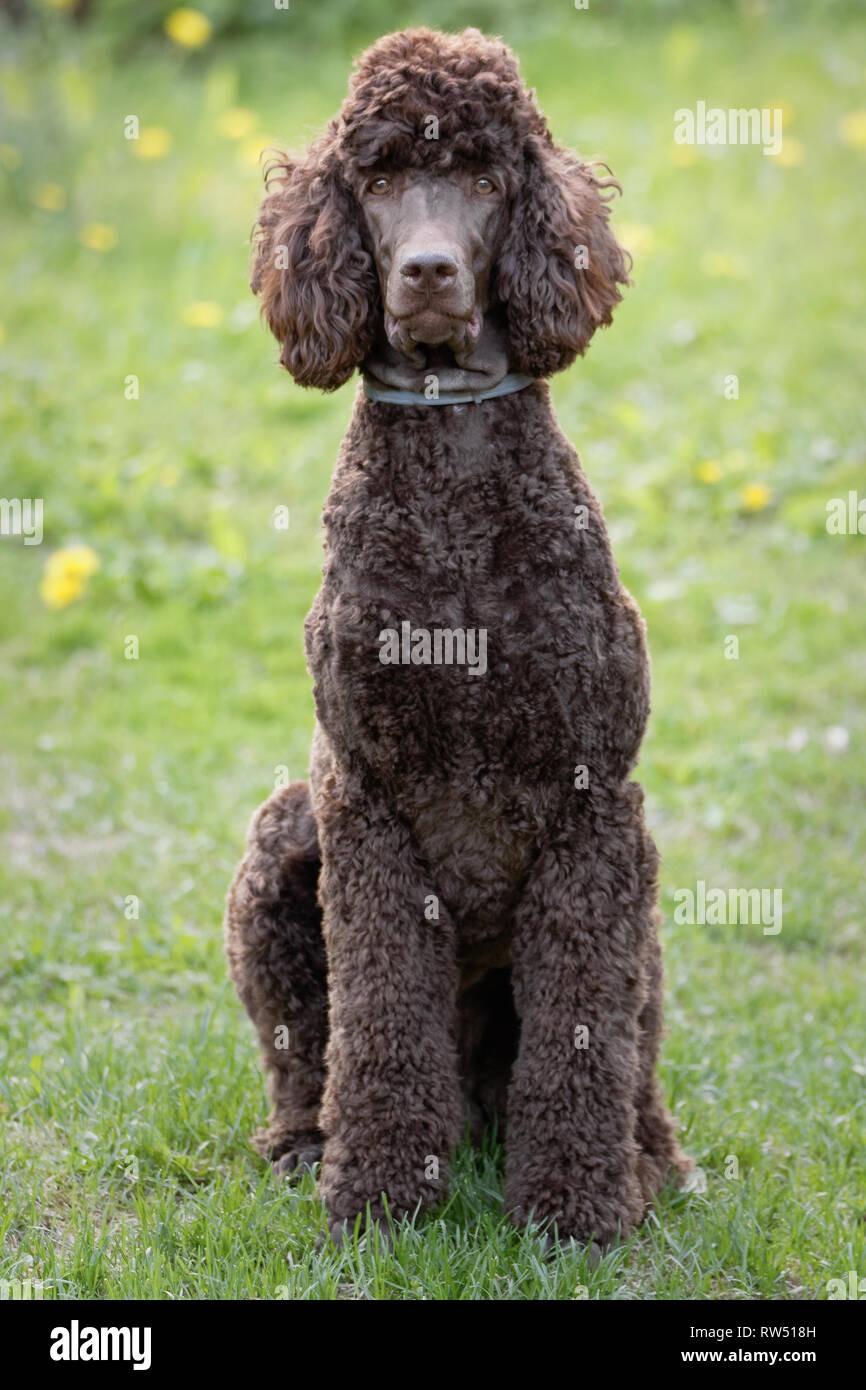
(316, 279)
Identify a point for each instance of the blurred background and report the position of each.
(151, 657)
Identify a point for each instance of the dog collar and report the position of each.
(514, 381)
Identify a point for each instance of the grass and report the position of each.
(130, 1082)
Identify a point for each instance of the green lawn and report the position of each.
(131, 1081)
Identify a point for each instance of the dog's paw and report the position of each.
(296, 1154)
(603, 1216)
(297, 1161)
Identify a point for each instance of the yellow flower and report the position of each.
(153, 142)
(683, 155)
(50, 197)
(636, 237)
(98, 236)
(681, 46)
(237, 123)
(721, 265)
(852, 128)
(755, 496)
(791, 155)
(630, 415)
(251, 151)
(66, 573)
(709, 471)
(203, 313)
(79, 559)
(10, 157)
(58, 590)
(189, 28)
(787, 110)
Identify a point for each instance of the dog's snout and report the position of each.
(431, 271)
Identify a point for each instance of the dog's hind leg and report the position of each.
(276, 957)
(660, 1156)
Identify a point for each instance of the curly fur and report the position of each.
(435, 916)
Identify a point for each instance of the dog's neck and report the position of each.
(432, 372)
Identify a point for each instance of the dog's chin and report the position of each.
(415, 334)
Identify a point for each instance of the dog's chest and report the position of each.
(462, 619)
(471, 648)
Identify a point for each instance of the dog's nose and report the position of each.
(429, 270)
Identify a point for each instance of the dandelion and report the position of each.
(755, 496)
(98, 236)
(189, 28)
(709, 471)
(682, 44)
(721, 265)
(791, 155)
(630, 414)
(50, 197)
(636, 237)
(836, 739)
(203, 313)
(787, 110)
(251, 151)
(852, 128)
(154, 142)
(237, 123)
(66, 573)
(683, 155)
(683, 332)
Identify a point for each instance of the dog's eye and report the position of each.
(484, 185)
(380, 186)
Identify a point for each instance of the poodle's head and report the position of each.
(435, 201)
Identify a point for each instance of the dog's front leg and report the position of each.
(579, 986)
(391, 1110)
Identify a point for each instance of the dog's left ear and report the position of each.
(560, 266)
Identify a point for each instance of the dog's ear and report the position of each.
(316, 279)
(560, 266)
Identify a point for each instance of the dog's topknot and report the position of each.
(422, 98)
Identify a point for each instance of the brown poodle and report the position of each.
(456, 920)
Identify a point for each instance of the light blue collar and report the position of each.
(514, 381)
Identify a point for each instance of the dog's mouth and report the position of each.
(431, 328)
